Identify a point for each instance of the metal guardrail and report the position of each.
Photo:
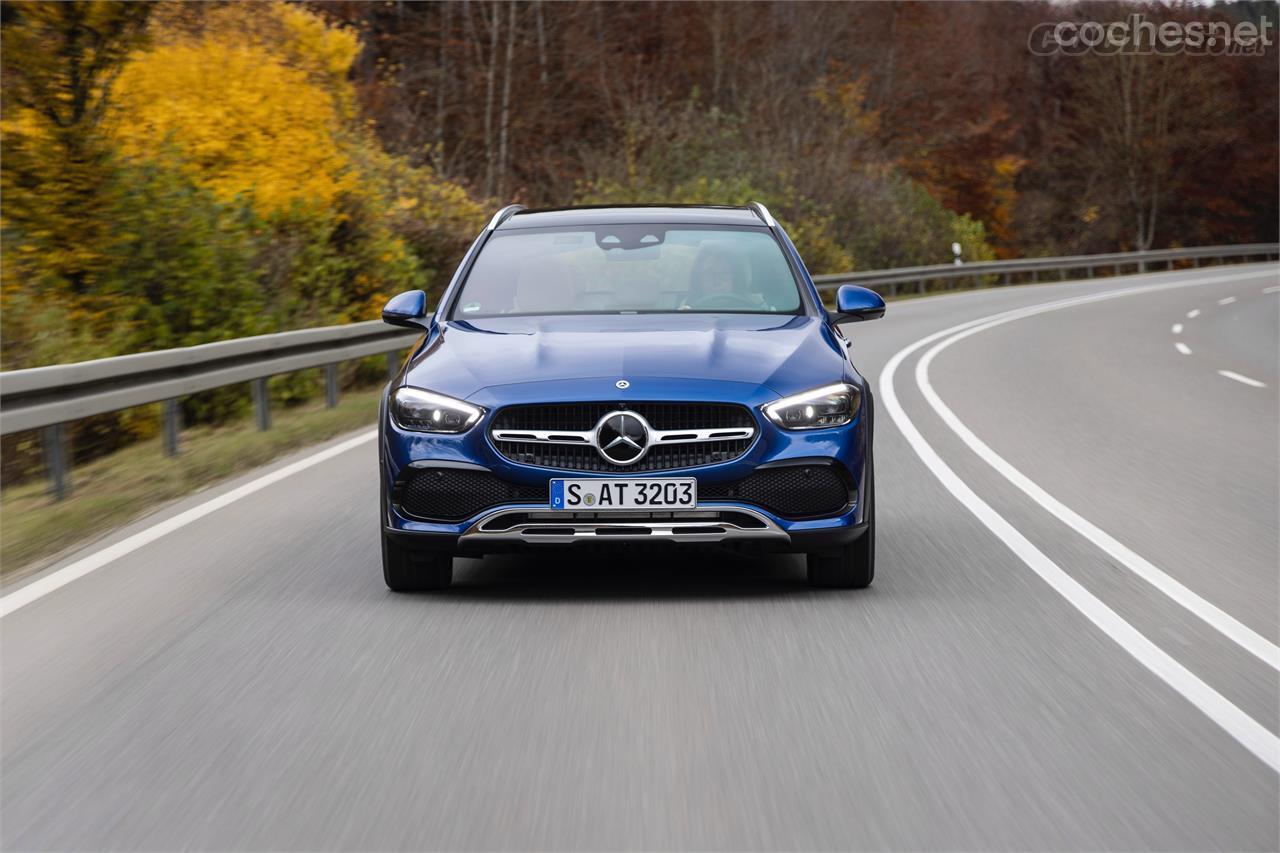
(913, 279)
(49, 397)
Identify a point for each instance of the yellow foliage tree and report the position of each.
(255, 102)
(244, 119)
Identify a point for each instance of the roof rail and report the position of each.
(763, 212)
(503, 215)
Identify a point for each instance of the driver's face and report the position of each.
(717, 276)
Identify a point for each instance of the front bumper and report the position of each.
(719, 522)
(712, 532)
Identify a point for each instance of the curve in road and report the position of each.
(1251, 734)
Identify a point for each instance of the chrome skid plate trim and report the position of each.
(554, 528)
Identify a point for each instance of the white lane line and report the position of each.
(56, 580)
(1182, 348)
(1177, 328)
(1230, 374)
(1193, 313)
(1227, 301)
(1228, 626)
(1239, 725)
(1273, 289)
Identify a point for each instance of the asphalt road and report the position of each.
(246, 681)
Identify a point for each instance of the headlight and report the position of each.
(424, 411)
(828, 406)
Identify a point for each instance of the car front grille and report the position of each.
(792, 491)
(582, 417)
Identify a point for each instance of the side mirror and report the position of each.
(854, 304)
(408, 309)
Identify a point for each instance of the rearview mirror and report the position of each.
(854, 304)
(407, 309)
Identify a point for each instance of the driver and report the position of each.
(719, 280)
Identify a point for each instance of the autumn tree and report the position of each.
(59, 62)
(256, 104)
(1143, 123)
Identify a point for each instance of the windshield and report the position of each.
(623, 269)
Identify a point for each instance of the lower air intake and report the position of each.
(450, 494)
(794, 491)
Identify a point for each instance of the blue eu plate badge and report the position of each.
(557, 494)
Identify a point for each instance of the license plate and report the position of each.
(666, 493)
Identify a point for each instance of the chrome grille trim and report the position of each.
(588, 437)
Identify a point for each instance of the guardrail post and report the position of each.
(1035, 276)
(330, 385)
(1062, 273)
(1004, 280)
(53, 441)
(920, 286)
(893, 289)
(1088, 272)
(393, 364)
(261, 403)
(1142, 265)
(172, 425)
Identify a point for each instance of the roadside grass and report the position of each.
(114, 490)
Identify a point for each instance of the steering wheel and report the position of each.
(723, 300)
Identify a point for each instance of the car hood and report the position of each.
(782, 353)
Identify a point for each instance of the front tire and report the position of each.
(405, 570)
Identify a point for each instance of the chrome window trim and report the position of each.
(503, 215)
(763, 212)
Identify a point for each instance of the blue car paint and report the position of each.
(751, 359)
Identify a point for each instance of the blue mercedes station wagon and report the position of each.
(628, 377)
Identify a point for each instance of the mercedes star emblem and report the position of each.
(622, 437)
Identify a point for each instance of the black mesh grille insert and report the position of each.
(570, 458)
(447, 494)
(794, 491)
(661, 416)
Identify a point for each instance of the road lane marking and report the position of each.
(1239, 725)
(1193, 313)
(1177, 328)
(1231, 374)
(1182, 348)
(1227, 301)
(37, 589)
(1273, 289)
(1225, 624)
